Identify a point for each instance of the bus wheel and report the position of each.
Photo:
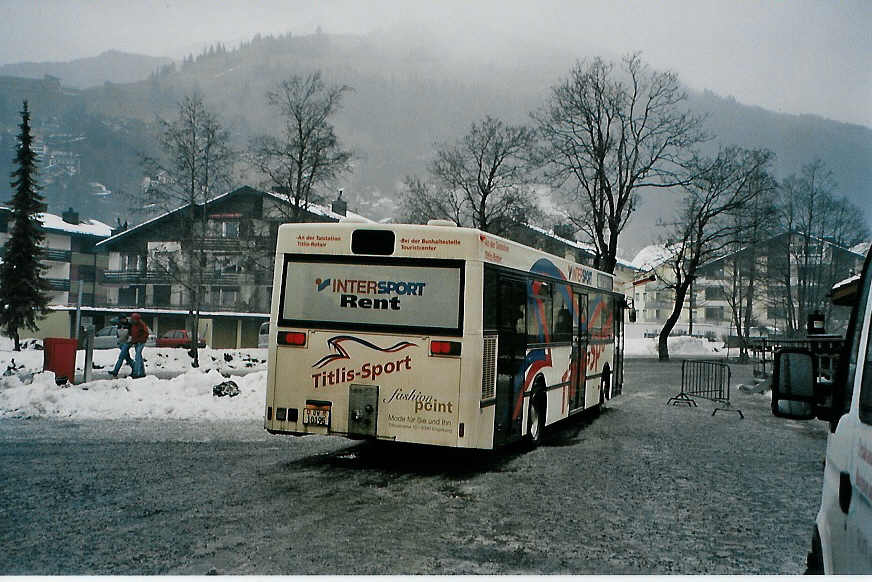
(537, 420)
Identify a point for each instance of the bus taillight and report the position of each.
(291, 338)
(443, 348)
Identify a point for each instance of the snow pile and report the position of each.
(187, 396)
(678, 346)
(162, 361)
(173, 390)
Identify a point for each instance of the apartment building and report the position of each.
(235, 238)
(73, 264)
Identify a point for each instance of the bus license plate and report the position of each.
(318, 415)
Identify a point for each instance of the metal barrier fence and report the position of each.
(825, 347)
(705, 379)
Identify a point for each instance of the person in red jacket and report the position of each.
(138, 336)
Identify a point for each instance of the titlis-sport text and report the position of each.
(368, 371)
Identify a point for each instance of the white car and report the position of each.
(263, 336)
(842, 537)
(106, 338)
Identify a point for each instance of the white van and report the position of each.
(263, 336)
(842, 538)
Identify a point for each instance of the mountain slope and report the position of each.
(109, 66)
(407, 96)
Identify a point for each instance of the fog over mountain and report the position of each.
(411, 90)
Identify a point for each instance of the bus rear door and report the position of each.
(512, 344)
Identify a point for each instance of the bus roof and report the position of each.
(434, 242)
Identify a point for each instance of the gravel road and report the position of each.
(642, 488)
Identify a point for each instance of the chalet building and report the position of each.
(792, 277)
(235, 234)
(73, 264)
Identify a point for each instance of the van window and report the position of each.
(854, 333)
(866, 385)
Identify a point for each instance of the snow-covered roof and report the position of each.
(579, 245)
(88, 227)
(313, 208)
(54, 222)
(321, 210)
(845, 282)
(862, 248)
(651, 257)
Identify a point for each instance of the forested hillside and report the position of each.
(407, 95)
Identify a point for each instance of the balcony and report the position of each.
(58, 284)
(219, 243)
(134, 277)
(204, 307)
(56, 255)
(162, 277)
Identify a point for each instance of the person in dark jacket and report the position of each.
(138, 336)
(123, 346)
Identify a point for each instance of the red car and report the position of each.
(177, 338)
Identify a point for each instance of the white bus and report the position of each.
(434, 335)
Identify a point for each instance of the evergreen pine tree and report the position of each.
(23, 291)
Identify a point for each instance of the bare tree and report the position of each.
(720, 187)
(745, 268)
(609, 133)
(483, 180)
(195, 165)
(816, 222)
(306, 154)
(420, 203)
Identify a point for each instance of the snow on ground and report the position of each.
(678, 346)
(174, 390)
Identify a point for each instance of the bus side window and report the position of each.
(490, 300)
(562, 315)
(539, 308)
(511, 307)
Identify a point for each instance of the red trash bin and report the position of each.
(59, 356)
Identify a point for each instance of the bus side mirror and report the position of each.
(632, 316)
(796, 391)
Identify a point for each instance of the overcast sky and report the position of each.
(796, 56)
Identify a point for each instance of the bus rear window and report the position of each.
(379, 294)
(372, 242)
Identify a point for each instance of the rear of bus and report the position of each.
(366, 336)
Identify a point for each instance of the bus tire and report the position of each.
(815, 558)
(536, 419)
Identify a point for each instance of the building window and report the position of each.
(712, 293)
(775, 312)
(714, 313)
(87, 273)
(225, 296)
(228, 264)
(224, 228)
(162, 295)
(131, 262)
(128, 295)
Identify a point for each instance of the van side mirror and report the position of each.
(793, 384)
(632, 316)
(796, 390)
